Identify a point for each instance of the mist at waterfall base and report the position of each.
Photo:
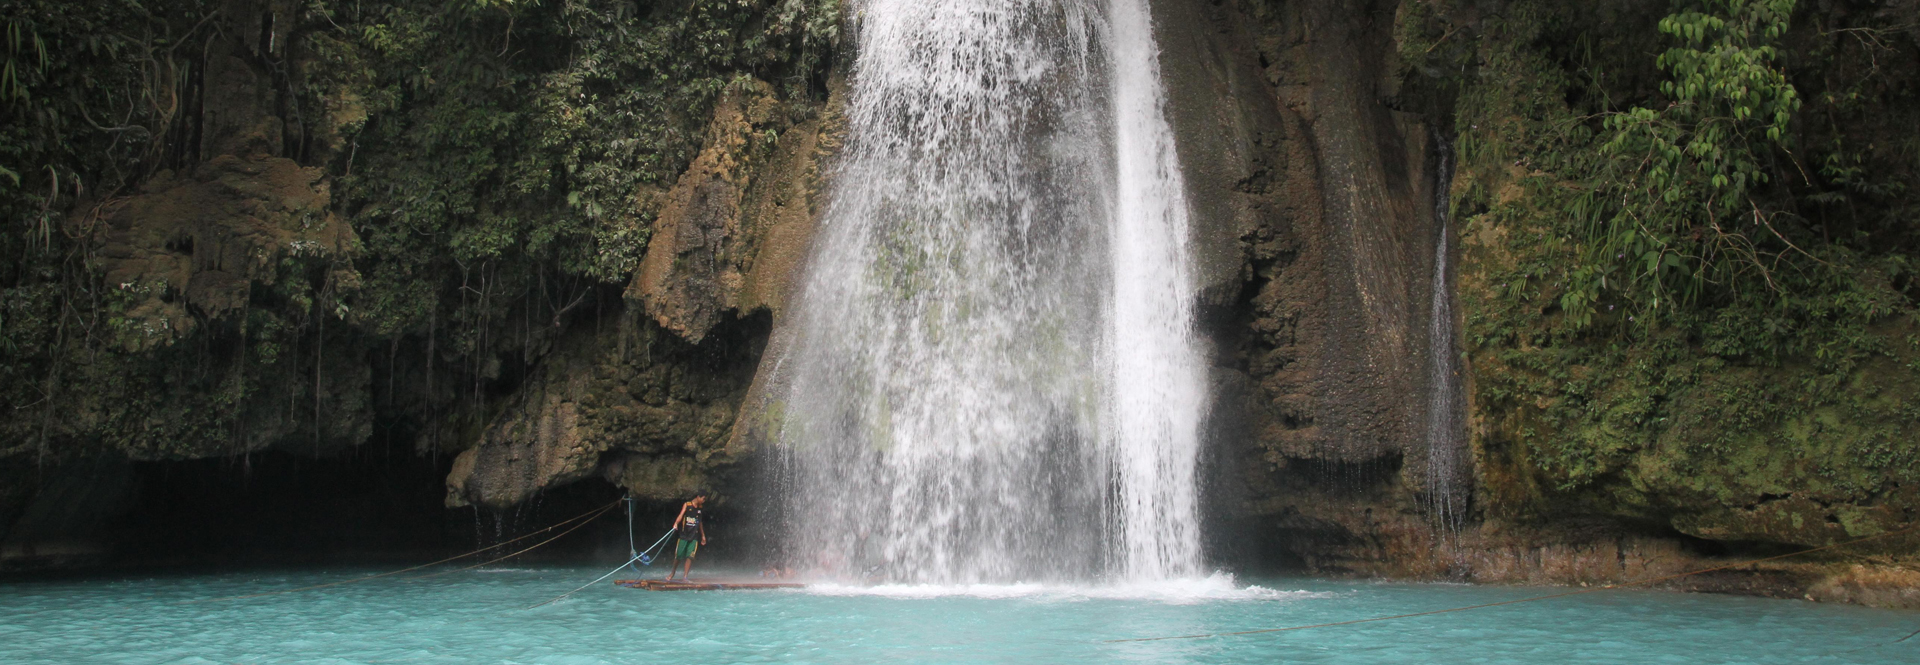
(992, 377)
(477, 617)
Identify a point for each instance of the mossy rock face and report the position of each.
(1778, 407)
(1749, 413)
(1723, 453)
(631, 403)
(662, 479)
(190, 247)
(1790, 455)
(734, 227)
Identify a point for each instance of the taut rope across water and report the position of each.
(582, 518)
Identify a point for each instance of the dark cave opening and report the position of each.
(276, 507)
(367, 506)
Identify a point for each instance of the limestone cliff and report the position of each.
(553, 244)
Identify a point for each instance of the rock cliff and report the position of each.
(544, 242)
(553, 244)
(1318, 135)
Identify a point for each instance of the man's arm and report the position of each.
(682, 516)
(703, 532)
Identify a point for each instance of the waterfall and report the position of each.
(1156, 376)
(992, 377)
(1446, 440)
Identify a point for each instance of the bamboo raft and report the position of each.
(663, 585)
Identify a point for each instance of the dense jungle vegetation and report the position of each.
(494, 161)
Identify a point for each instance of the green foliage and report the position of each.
(498, 161)
(1675, 216)
(510, 148)
(90, 104)
(1669, 307)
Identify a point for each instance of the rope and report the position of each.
(1608, 587)
(647, 556)
(529, 548)
(642, 556)
(589, 515)
(630, 551)
(610, 573)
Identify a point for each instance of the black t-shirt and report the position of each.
(690, 527)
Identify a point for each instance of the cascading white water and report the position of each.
(991, 376)
(1156, 380)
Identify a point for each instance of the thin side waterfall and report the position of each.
(992, 377)
(1446, 435)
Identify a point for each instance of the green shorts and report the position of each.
(686, 549)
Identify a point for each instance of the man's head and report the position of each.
(700, 499)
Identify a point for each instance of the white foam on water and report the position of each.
(1185, 590)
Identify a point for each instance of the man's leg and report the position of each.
(681, 550)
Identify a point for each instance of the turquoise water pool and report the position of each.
(475, 617)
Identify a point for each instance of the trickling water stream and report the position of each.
(992, 377)
(1446, 403)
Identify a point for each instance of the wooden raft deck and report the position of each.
(663, 585)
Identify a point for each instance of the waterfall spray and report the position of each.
(992, 376)
(1156, 381)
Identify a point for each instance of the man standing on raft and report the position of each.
(693, 534)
